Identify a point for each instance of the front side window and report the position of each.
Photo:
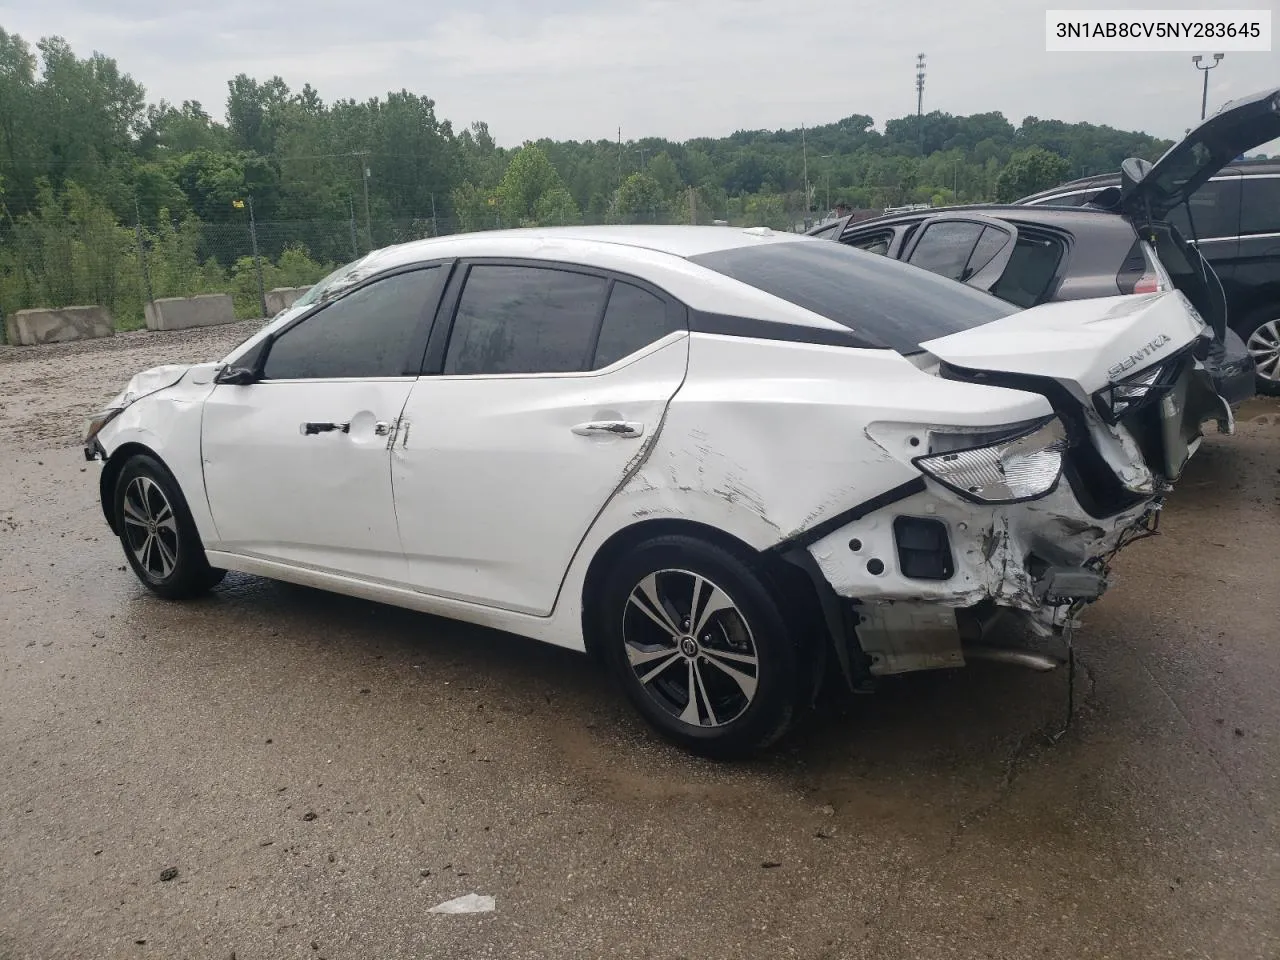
(367, 333)
(1260, 212)
(944, 248)
(518, 319)
(991, 242)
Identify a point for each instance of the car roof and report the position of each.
(678, 241)
(1266, 167)
(1065, 218)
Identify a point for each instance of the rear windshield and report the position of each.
(895, 304)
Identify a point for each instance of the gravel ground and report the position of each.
(273, 772)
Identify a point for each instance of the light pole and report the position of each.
(1204, 97)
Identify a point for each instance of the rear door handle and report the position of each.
(617, 428)
(311, 428)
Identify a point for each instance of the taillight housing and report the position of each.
(1141, 271)
(1117, 400)
(1148, 283)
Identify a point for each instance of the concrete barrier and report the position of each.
(282, 298)
(27, 328)
(179, 313)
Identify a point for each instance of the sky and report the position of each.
(580, 69)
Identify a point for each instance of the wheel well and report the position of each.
(798, 592)
(111, 471)
(1254, 313)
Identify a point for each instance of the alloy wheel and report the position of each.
(1264, 346)
(690, 648)
(150, 527)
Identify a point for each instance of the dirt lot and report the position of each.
(321, 771)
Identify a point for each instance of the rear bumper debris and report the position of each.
(1034, 563)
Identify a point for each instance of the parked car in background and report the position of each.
(687, 449)
(1234, 221)
(1128, 240)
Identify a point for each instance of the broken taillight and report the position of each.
(1147, 283)
(1142, 271)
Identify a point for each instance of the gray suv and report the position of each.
(1127, 238)
(1234, 221)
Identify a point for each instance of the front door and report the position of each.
(553, 385)
(297, 465)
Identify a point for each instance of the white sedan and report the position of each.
(718, 458)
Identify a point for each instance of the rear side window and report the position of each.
(634, 319)
(367, 333)
(1030, 271)
(880, 299)
(1214, 211)
(1260, 212)
(517, 319)
(827, 232)
(872, 242)
(944, 248)
(1070, 200)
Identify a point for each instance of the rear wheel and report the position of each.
(695, 635)
(1262, 340)
(158, 535)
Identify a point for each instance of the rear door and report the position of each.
(1211, 220)
(1255, 281)
(537, 401)
(972, 249)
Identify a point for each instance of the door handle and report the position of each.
(617, 428)
(311, 428)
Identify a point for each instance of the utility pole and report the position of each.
(828, 156)
(257, 261)
(619, 158)
(435, 228)
(1204, 96)
(355, 248)
(804, 148)
(920, 99)
(364, 171)
(142, 253)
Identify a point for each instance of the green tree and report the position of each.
(1029, 171)
(532, 187)
(662, 169)
(638, 200)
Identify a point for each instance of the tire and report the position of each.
(157, 533)
(725, 691)
(1261, 336)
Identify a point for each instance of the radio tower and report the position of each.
(920, 100)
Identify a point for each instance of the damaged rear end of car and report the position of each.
(1010, 531)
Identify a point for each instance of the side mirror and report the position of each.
(236, 376)
(1132, 172)
(251, 365)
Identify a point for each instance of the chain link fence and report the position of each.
(93, 260)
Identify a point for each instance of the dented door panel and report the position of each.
(498, 478)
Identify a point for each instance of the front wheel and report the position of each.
(695, 636)
(1263, 344)
(158, 535)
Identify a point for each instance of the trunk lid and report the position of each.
(1085, 345)
(1120, 372)
(1150, 191)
